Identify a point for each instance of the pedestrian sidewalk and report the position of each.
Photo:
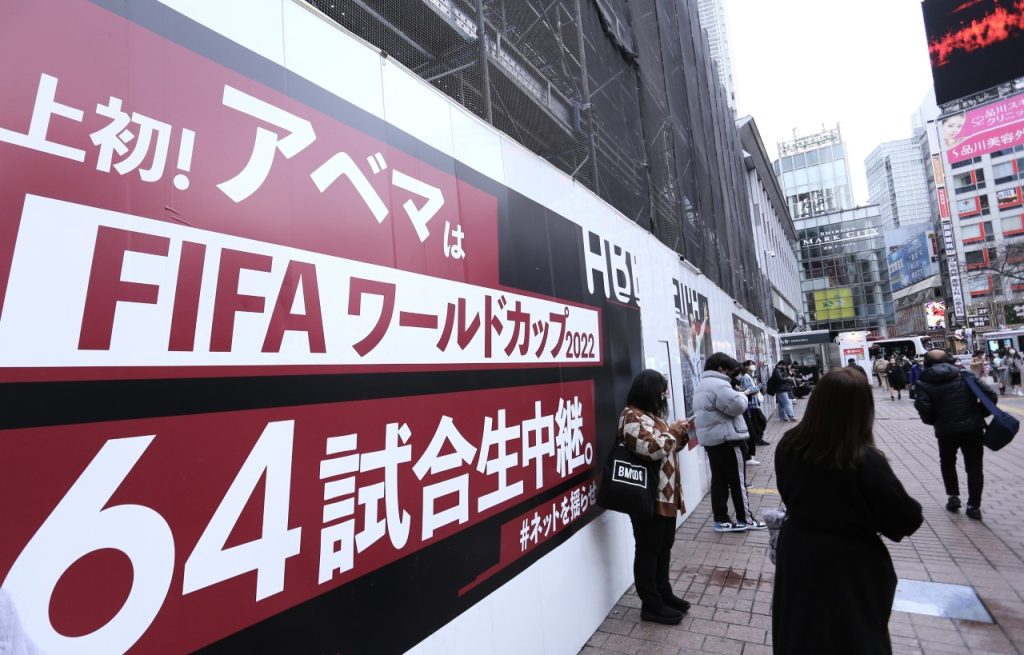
(728, 577)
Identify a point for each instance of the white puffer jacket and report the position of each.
(719, 410)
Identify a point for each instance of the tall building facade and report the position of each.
(815, 173)
(775, 238)
(588, 86)
(897, 183)
(978, 146)
(712, 19)
(844, 272)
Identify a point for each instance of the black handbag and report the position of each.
(1003, 427)
(629, 484)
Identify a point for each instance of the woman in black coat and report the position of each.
(897, 380)
(834, 579)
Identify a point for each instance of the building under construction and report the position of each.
(624, 97)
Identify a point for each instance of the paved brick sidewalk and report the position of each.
(728, 577)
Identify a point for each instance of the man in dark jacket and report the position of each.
(852, 363)
(781, 386)
(944, 401)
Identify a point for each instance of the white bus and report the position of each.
(1001, 340)
(900, 346)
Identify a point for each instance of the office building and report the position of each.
(844, 271)
(815, 174)
(712, 19)
(774, 232)
(898, 185)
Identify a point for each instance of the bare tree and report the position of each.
(1005, 259)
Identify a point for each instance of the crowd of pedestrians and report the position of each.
(1000, 370)
(834, 581)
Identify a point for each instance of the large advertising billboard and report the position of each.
(911, 258)
(832, 304)
(935, 314)
(983, 130)
(973, 45)
(277, 374)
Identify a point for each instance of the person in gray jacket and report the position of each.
(721, 429)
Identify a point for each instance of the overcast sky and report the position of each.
(801, 63)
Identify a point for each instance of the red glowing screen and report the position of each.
(973, 44)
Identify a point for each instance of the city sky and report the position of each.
(804, 63)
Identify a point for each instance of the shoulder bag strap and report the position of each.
(981, 396)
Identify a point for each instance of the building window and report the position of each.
(1009, 198)
(975, 206)
(1004, 172)
(969, 181)
(975, 259)
(965, 163)
(1006, 151)
(980, 285)
(977, 233)
(1013, 226)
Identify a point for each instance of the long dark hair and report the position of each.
(648, 393)
(838, 424)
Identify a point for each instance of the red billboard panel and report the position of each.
(274, 369)
(216, 521)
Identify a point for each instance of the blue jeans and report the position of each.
(785, 405)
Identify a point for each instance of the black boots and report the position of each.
(675, 602)
(664, 614)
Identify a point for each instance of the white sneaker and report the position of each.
(753, 462)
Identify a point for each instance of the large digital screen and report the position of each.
(973, 44)
(832, 304)
(935, 314)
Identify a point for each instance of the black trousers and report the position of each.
(756, 430)
(728, 477)
(973, 449)
(654, 538)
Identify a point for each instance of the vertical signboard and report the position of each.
(948, 239)
(276, 371)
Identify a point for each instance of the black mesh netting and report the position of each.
(622, 96)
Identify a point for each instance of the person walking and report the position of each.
(644, 430)
(880, 365)
(1014, 364)
(915, 374)
(852, 364)
(999, 370)
(944, 400)
(897, 380)
(781, 385)
(753, 416)
(978, 364)
(834, 578)
(718, 410)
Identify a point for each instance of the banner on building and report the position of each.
(911, 257)
(268, 359)
(983, 130)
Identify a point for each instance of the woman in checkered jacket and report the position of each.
(643, 427)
